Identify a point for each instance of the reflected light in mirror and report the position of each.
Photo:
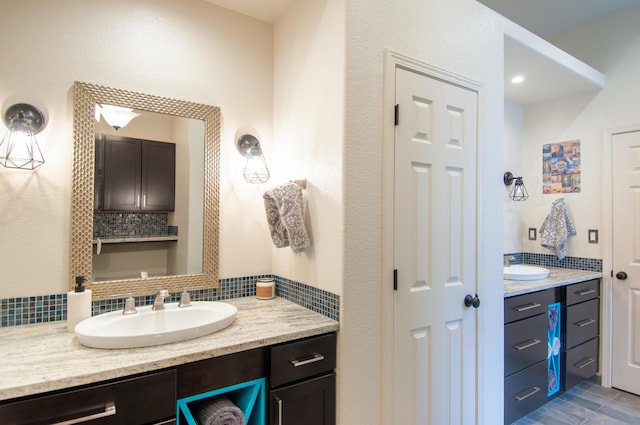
(116, 116)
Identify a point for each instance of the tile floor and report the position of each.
(587, 404)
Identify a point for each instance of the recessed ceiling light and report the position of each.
(517, 79)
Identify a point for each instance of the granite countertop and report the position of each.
(557, 277)
(45, 357)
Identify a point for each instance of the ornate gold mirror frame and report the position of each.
(85, 98)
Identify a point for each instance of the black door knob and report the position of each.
(471, 301)
(621, 276)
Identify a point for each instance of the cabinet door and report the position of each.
(122, 171)
(311, 402)
(158, 176)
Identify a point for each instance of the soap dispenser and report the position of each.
(78, 304)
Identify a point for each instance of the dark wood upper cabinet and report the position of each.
(134, 175)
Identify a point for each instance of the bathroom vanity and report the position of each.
(285, 353)
(551, 337)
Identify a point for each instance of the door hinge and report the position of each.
(395, 279)
(396, 118)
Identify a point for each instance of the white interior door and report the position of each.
(434, 366)
(626, 259)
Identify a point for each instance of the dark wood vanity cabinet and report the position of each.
(525, 352)
(303, 382)
(134, 175)
(299, 376)
(527, 344)
(582, 331)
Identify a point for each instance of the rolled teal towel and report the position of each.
(216, 411)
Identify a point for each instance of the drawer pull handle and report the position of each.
(528, 344)
(585, 322)
(109, 410)
(584, 363)
(527, 307)
(279, 410)
(533, 391)
(585, 292)
(314, 358)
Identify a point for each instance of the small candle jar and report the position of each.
(265, 289)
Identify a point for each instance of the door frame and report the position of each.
(484, 366)
(607, 249)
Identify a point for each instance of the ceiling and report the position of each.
(548, 17)
(546, 78)
(265, 10)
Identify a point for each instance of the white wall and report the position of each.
(460, 36)
(308, 128)
(513, 230)
(185, 49)
(612, 46)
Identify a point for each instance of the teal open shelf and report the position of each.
(249, 396)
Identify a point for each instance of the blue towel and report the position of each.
(557, 228)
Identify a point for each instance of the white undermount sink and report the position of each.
(522, 272)
(149, 327)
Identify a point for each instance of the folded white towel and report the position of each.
(557, 228)
(284, 206)
(216, 411)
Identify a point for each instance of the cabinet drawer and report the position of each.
(523, 306)
(301, 359)
(525, 343)
(219, 372)
(582, 322)
(525, 391)
(146, 399)
(582, 363)
(584, 291)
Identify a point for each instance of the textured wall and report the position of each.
(460, 36)
(189, 50)
(612, 46)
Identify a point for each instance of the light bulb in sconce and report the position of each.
(255, 170)
(19, 147)
(519, 191)
(116, 116)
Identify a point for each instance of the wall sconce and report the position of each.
(519, 192)
(19, 147)
(116, 116)
(255, 170)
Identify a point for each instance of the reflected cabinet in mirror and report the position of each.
(145, 197)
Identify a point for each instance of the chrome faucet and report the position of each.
(508, 259)
(158, 302)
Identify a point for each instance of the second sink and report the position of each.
(523, 272)
(148, 327)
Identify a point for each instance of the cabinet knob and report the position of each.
(471, 301)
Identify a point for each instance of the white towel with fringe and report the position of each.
(557, 228)
(284, 206)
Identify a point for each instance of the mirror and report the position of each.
(86, 96)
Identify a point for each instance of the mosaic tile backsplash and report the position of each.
(50, 308)
(118, 225)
